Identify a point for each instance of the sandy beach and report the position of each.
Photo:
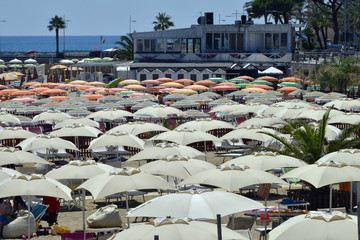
(73, 218)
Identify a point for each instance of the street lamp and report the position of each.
(66, 21)
(130, 21)
(1, 21)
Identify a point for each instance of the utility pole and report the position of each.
(64, 34)
(130, 21)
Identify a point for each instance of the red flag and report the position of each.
(102, 39)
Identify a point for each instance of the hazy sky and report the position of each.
(107, 17)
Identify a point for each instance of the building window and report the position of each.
(217, 41)
(268, 45)
(191, 45)
(159, 45)
(276, 41)
(193, 77)
(240, 41)
(206, 76)
(197, 45)
(142, 77)
(147, 45)
(209, 43)
(218, 75)
(173, 45)
(139, 45)
(155, 76)
(180, 76)
(168, 75)
(283, 41)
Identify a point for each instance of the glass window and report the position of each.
(168, 75)
(206, 76)
(283, 41)
(276, 41)
(268, 41)
(232, 41)
(260, 42)
(225, 41)
(159, 45)
(155, 76)
(147, 45)
(180, 76)
(217, 41)
(197, 45)
(209, 41)
(142, 77)
(190, 45)
(139, 45)
(173, 45)
(184, 46)
(240, 41)
(193, 77)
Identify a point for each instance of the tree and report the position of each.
(310, 143)
(126, 52)
(162, 22)
(56, 23)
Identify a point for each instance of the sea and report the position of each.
(48, 43)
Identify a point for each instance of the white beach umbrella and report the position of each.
(345, 118)
(343, 104)
(33, 185)
(110, 114)
(317, 225)
(15, 61)
(9, 118)
(136, 128)
(84, 121)
(261, 121)
(176, 229)
(79, 170)
(18, 157)
(30, 61)
(205, 124)
(185, 136)
(265, 161)
(289, 113)
(46, 141)
(77, 130)
(317, 114)
(162, 150)
(6, 173)
(252, 133)
(350, 157)
(51, 115)
(195, 204)
(159, 111)
(232, 177)
(181, 167)
(15, 133)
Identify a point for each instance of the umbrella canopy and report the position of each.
(206, 124)
(317, 114)
(15, 133)
(265, 161)
(176, 229)
(348, 156)
(84, 121)
(162, 150)
(176, 166)
(46, 141)
(110, 114)
(317, 225)
(122, 180)
(58, 67)
(232, 177)
(251, 132)
(79, 170)
(347, 118)
(17, 157)
(261, 121)
(117, 138)
(343, 104)
(159, 111)
(5, 117)
(195, 204)
(76, 130)
(51, 115)
(136, 128)
(185, 136)
(325, 173)
(6, 173)
(33, 184)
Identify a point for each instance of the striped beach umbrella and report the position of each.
(185, 81)
(174, 97)
(164, 80)
(259, 101)
(221, 101)
(196, 114)
(290, 79)
(92, 96)
(30, 109)
(150, 82)
(24, 120)
(142, 105)
(110, 98)
(211, 95)
(197, 87)
(239, 80)
(127, 102)
(184, 91)
(327, 98)
(185, 104)
(79, 112)
(205, 83)
(199, 98)
(172, 85)
(241, 85)
(287, 89)
(130, 82)
(268, 78)
(263, 86)
(216, 79)
(261, 81)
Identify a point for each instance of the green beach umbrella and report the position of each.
(108, 59)
(242, 85)
(96, 59)
(15, 66)
(29, 65)
(290, 84)
(238, 80)
(215, 79)
(126, 92)
(3, 66)
(261, 82)
(113, 83)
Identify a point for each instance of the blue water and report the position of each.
(48, 43)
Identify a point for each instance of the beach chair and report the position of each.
(39, 211)
(290, 180)
(242, 225)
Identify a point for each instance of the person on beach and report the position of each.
(5, 211)
(18, 204)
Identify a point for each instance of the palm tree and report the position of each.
(309, 142)
(162, 22)
(57, 23)
(126, 51)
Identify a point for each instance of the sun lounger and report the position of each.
(38, 211)
(131, 194)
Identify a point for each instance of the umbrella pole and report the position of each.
(83, 210)
(358, 206)
(265, 219)
(117, 154)
(233, 222)
(127, 208)
(205, 150)
(330, 200)
(351, 197)
(218, 223)
(28, 218)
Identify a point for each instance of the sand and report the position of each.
(73, 218)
